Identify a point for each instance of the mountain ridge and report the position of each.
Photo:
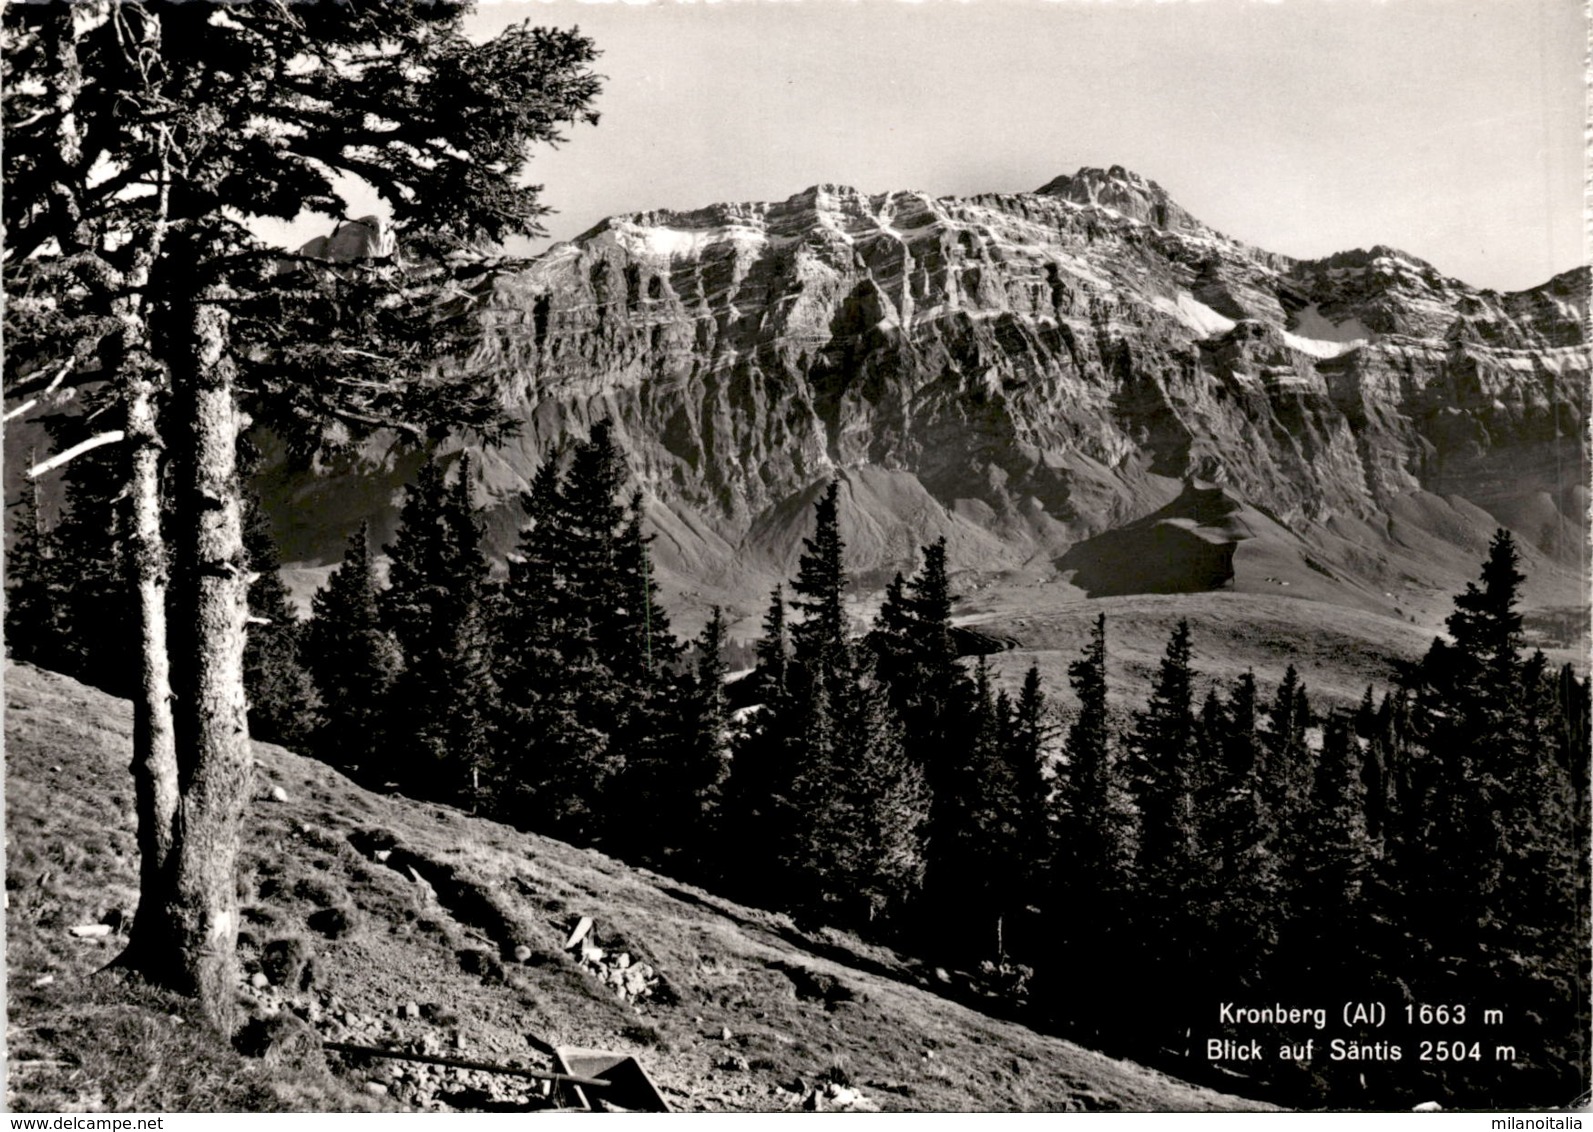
(1017, 372)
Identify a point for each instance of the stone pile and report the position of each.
(630, 979)
(825, 1096)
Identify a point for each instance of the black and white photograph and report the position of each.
(796, 556)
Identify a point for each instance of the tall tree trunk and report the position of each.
(195, 905)
(155, 779)
(154, 735)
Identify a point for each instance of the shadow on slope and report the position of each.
(1185, 547)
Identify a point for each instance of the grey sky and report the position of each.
(1450, 129)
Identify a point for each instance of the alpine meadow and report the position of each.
(866, 650)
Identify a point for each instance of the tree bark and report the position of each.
(154, 732)
(192, 910)
(155, 780)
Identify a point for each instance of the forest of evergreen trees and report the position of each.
(1113, 877)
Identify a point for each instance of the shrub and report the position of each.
(289, 963)
(334, 922)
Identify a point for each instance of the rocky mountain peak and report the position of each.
(1021, 374)
(1123, 191)
(365, 238)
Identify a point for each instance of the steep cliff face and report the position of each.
(1022, 373)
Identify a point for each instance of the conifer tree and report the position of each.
(586, 652)
(1003, 834)
(353, 661)
(282, 700)
(673, 790)
(852, 818)
(978, 828)
(34, 617)
(1240, 839)
(442, 701)
(1483, 848)
(707, 763)
(659, 714)
(1095, 845)
(845, 812)
(1162, 772)
(1289, 772)
(932, 697)
(1167, 860)
(476, 709)
(1470, 721)
(820, 639)
(806, 816)
(773, 650)
(95, 640)
(1326, 884)
(891, 639)
(1027, 742)
(1374, 766)
(144, 255)
(760, 770)
(889, 809)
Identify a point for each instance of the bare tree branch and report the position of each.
(76, 450)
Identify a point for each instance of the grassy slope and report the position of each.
(1338, 651)
(736, 983)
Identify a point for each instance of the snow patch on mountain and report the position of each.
(1318, 348)
(1194, 314)
(659, 242)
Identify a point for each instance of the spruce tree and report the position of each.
(442, 702)
(353, 661)
(1162, 773)
(807, 819)
(282, 699)
(1003, 838)
(1289, 772)
(95, 615)
(760, 770)
(977, 830)
(1027, 742)
(1240, 837)
(165, 133)
(1326, 884)
(888, 810)
(1089, 897)
(586, 653)
(554, 758)
(851, 820)
(34, 617)
(658, 717)
(1162, 778)
(773, 650)
(931, 694)
(1486, 842)
(673, 789)
(891, 638)
(706, 765)
(843, 821)
(820, 638)
(1470, 720)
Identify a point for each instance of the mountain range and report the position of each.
(1081, 387)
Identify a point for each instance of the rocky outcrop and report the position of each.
(1020, 373)
(365, 238)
